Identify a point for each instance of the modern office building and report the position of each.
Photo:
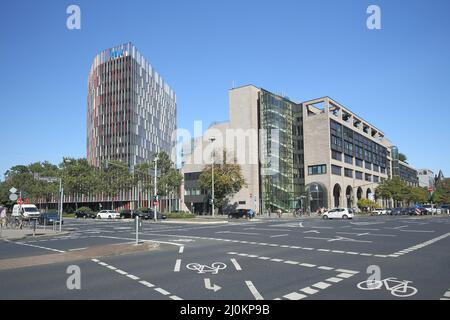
(131, 111)
(311, 155)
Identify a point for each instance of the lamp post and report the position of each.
(212, 177)
(155, 216)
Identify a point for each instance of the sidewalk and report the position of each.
(18, 234)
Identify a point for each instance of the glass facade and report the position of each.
(275, 112)
(131, 110)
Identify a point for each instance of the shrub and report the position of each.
(85, 209)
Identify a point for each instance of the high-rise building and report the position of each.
(131, 110)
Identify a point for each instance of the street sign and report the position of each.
(13, 197)
(13, 190)
(430, 189)
(20, 201)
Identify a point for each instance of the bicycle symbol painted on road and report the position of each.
(203, 268)
(398, 288)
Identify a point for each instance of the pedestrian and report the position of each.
(250, 213)
(269, 212)
(3, 216)
(279, 213)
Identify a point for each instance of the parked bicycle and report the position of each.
(398, 288)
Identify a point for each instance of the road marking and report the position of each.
(345, 275)
(78, 249)
(347, 271)
(312, 231)
(294, 296)
(422, 245)
(334, 279)
(34, 246)
(326, 268)
(162, 291)
(177, 265)
(263, 229)
(291, 262)
(321, 285)
(121, 272)
(181, 250)
(236, 264)
(132, 277)
(309, 290)
(244, 233)
(279, 235)
(147, 284)
(111, 267)
(308, 265)
(175, 298)
(253, 290)
(211, 287)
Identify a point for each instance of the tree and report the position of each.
(228, 180)
(367, 204)
(402, 157)
(442, 192)
(79, 177)
(113, 178)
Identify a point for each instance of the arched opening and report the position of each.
(349, 197)
(337, 195)
(359, 193)
(315, 197)
(369, 194)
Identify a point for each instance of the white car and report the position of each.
(108, 214)
(338, 213)
(380, 212)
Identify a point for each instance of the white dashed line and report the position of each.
(294, 296)
(177, 265)
(253, 290)
(236, 264)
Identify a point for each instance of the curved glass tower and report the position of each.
(131, 110)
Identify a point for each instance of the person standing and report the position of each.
(3, 216)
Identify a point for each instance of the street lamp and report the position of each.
(155, 190)
(212, 139)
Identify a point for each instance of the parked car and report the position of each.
(49, 218)
(127, 214)
(149, 214)
(379, 212)
(240, 213)
(108, 214)
(338, 213)
(85, 215)
(431, 208)
(396, 212)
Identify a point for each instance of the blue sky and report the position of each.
(396, 78)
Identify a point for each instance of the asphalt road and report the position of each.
(288, 259)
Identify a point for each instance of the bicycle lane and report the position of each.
(426, 270)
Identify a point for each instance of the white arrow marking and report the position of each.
(253, 290)
(209, 287)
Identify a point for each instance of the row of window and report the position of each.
(336, 170)
(358, 162)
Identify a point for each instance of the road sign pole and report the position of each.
(61, 204)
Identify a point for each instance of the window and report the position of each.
(383, 170)
(376, 168)
(348, 173)
(348, 159)
(368, 177)
(242, 202)
(315, 170)
(358, 162)
(368, 165)
(336, 170)
(376, 179)
(336, 155)
(359, 175)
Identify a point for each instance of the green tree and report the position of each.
(228, 180)
(113, 177)
(402, 157)
(79, 177)
(442, 192)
